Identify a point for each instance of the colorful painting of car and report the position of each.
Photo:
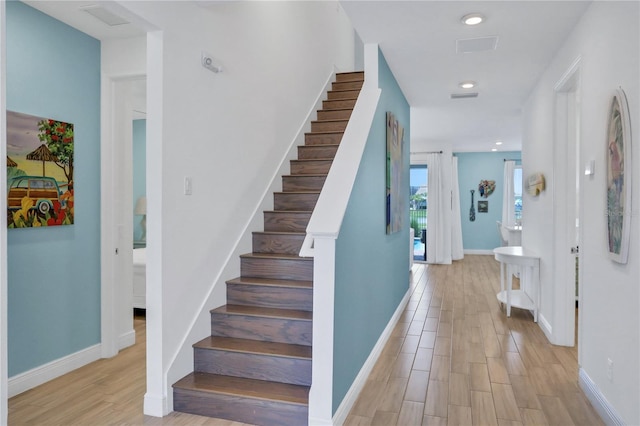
(44, 191)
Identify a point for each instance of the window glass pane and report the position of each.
(517, 190)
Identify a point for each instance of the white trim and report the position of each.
(4, 409)
(606, 411)
(30, 379)
(324, 272)
(156, 406)
(358, 384)
(544, 324)
(566, 119)
(480, 252)
(127, 339)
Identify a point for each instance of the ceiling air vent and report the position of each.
(480, 44)
(464, 95)
(104, 15)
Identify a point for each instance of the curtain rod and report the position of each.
(426, 152)
(511, 159)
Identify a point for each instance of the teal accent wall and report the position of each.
(482, 234)
(372, 268)
(139, 170)
(53, 71)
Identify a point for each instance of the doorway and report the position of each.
(418, 202)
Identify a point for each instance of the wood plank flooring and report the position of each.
(453, 359)
(456, 359)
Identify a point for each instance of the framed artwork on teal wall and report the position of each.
(395, 170)
(39, 171)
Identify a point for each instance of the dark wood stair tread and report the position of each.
(257, 311)
(278, 256)
(297, 191)
(256, 347)
(271, 282)
(332, 120)
(278, 232)
(316, 175)
(328, 132)
(242, 387)
(350, 76)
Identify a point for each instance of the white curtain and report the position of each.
(439, 216)
(457, 251)
(508, 199)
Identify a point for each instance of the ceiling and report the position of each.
(418, 40)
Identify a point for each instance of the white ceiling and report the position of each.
(418, 39)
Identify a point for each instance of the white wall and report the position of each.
(228, 132)
(607, 39)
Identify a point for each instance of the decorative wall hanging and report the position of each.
(535, 184)
(619, 174)
(395, 203)
(39, 171)
(486, 188)
(472, 210)
(483, 206)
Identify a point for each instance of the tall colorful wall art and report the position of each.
(39, 171)
(395, 203)
(619, 178)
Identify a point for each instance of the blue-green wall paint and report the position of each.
(53, 71)
(139, 170)
(372, 268)
(482, 234)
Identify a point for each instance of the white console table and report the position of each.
(528, 297)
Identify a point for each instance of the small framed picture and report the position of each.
(483, 206)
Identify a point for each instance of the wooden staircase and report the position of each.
(256, 365)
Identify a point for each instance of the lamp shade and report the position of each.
(141, 206)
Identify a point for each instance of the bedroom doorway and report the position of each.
(127, 101)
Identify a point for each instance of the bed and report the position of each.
(139, 278)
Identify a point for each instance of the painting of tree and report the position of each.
(58, 136)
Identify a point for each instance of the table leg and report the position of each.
(509, 287)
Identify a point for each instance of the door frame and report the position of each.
(116, 169)
(567, 202)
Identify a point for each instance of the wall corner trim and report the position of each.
(30, 379)
(358, 384)
(608, 413)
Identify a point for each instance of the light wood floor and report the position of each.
(454, 358)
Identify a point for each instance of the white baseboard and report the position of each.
(545, 326)
(482, 252)
(608, 413)
(156, 406)
(356, 387)
(30, 379)
(127, 339)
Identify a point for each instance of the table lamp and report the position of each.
(141, 210)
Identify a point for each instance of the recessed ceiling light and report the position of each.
(499, 143)
(494, 149)
(472, 19)
(467, 84)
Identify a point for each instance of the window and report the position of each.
(517, 192)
